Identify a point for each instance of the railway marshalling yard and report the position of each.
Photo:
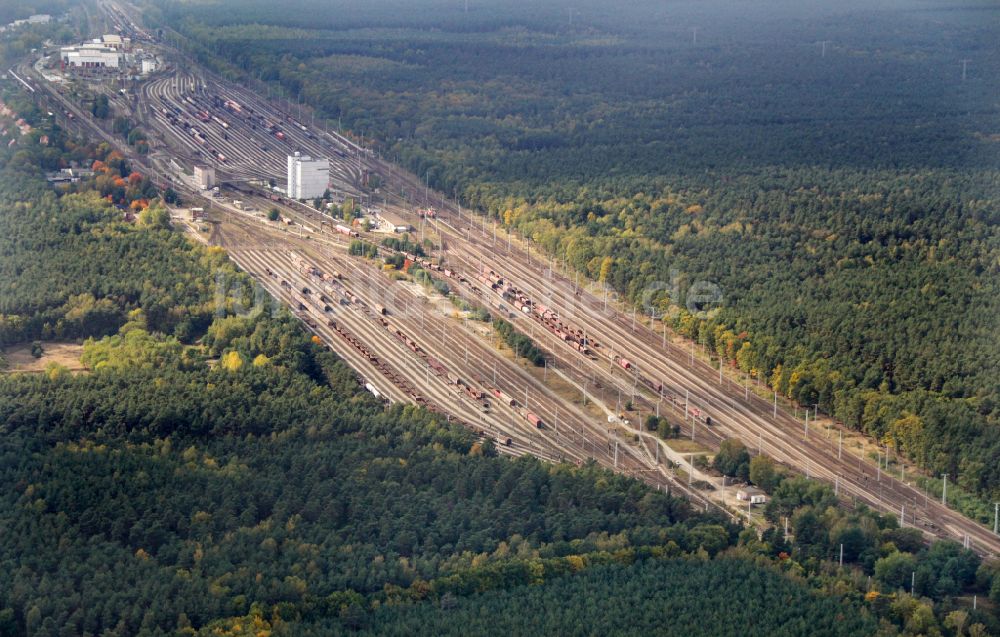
(425, 350)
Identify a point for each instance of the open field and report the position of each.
(20, 359)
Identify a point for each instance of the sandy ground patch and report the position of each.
(67, 354)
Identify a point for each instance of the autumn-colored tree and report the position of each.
(232, 361)
(606, 265)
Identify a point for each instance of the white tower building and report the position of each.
(307, 177)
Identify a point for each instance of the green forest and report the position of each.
(217, 471)
(699, 598)
(215, 463)
(828, 167)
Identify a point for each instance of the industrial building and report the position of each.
(105, 52)
(204, 176)
(307, 177)
(113, 41)
(92, 56)
(38, 18)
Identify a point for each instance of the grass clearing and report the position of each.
(684, 445)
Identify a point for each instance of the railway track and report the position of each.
(735, 411)
(569, 435)
(747, 416)
(735, 416)
(235, 130)
(354, 322)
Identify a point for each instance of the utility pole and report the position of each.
(965, 68)
(840, 446)
(996, 518)
(823, 48)
(944, 491)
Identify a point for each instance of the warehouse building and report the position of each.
(91, 56)
(307, 177)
